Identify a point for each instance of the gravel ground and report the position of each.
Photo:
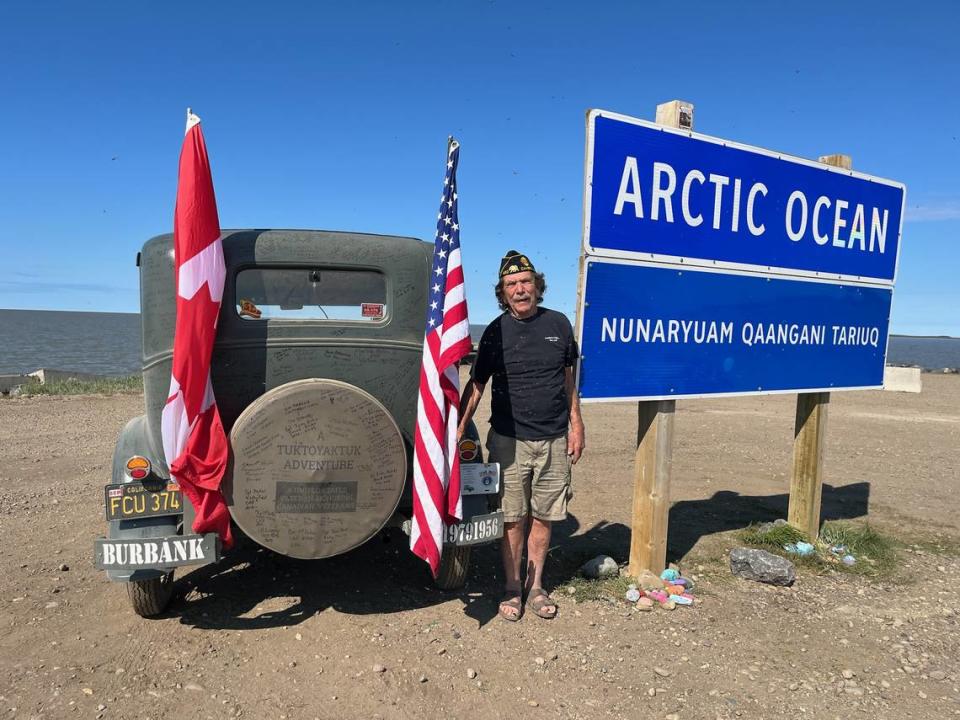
(364, 635)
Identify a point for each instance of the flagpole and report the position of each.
(191, 120)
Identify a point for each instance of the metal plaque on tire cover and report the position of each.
(318, 467)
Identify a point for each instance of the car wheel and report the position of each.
(454, 565)
(150, 597)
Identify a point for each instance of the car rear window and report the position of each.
(311, 294)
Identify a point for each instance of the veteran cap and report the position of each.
(514, 262)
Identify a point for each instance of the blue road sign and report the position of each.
(650, 331)
(655, 193)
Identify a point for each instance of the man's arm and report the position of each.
(469, 401)
(576, 437)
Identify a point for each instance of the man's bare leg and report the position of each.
(538, 543)
(511, 551)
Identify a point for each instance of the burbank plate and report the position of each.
(159, 553)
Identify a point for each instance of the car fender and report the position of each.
(135, 440)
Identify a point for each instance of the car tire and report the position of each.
(454, 566)
(150, 597)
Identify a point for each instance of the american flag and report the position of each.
(436, 464)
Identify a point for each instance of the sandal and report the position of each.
(541, 604)
(511, 601)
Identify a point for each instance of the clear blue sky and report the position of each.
(336, 117)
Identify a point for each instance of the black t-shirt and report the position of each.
(527, 359)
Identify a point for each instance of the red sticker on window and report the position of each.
(371, 310)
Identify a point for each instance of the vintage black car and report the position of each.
(315, 370)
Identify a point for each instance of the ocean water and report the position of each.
(87, 342)
(109, 343)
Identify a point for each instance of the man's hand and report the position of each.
(576, 438)
(468, 405)
(576, 442)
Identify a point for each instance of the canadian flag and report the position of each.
(194, 442)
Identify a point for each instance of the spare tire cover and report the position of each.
(318, 467)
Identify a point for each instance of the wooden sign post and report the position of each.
(806, 479)
(617, 253)
(653, 462)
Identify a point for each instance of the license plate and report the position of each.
(476, 530)
(160, 553)
(126, 501)
(479, 478)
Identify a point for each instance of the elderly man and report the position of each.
(536, 432)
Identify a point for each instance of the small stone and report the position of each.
(668, 605)
(761, 566)
(422, 678)
(884, 684)
(87, 691)
(602, 566)
(471, 673)
(651, 692)
(533, 703)
(847, 674)
(649, 581)
(571, 590)
(662, 672)
(378, 668)
(298, 636)
(938, 675)
(673, 716)
(63, 567)
(540, 661)
(922, 695)
(441, 651)
(794, 687)
(101, 707)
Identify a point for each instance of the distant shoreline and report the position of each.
(926, 337)
(474, 324)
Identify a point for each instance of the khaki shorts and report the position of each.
(534, 476)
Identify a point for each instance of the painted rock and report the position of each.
(645, 604)
(669, 574)
(668, 605)
(657, 595)
(681, 600)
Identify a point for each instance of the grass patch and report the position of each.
(608, 589)
(102, 386)
(771, 538)
(875, 552)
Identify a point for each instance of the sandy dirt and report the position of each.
(366, 636)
